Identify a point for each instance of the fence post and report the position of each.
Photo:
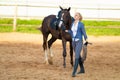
(15, 19)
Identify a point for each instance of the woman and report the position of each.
(77, 31)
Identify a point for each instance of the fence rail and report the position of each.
(98, 10)
(28, 5)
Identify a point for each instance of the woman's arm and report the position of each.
(84, 32)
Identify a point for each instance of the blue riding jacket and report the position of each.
(80, 32)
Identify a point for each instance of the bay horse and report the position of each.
(49, 26)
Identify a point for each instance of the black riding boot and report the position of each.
(82, 70)
(75, 67)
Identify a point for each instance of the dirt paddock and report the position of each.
(22, 58)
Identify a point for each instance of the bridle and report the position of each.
(61, 22)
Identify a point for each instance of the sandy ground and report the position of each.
(22, 58)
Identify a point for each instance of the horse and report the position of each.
(56, 27)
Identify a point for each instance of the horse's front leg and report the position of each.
(71, 53)
(64, 52)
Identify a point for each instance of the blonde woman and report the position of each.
(77, 31)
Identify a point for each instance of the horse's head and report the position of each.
(65, 18)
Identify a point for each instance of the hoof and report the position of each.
(46, 62)
(50, 61)
(64, 65)
(72, 64)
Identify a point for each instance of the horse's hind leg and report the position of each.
(50, 42)
(45, 36)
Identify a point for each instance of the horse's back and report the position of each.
(46, 22)
(47, 19)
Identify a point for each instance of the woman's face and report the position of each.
(77, 16)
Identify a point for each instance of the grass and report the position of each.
(22, 29)
(24, 26)
(28, 29)
(20, 21)
(101, 23)
(6, 28)
(103, 31)
(6, 21)
(29, 22)
(92, 27)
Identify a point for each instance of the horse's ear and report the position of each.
(61, 8)
(69, 8)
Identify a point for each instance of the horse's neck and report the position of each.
(69, 24)
(68, 27)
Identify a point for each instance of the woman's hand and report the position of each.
(66, 30)
(86, 42)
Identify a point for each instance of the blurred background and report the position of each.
(101, 17)
(90, 9)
